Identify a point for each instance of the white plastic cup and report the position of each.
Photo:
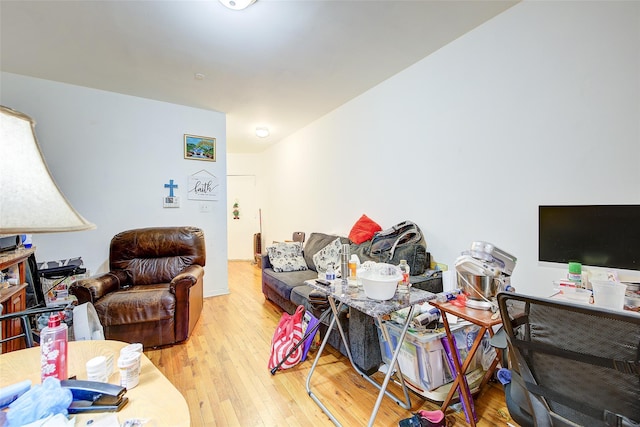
(132, 348)
(608, 294)
(97, 369)
(129, 366)
(135, 348)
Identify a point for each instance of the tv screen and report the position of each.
(594, 235)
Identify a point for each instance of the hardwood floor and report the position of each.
(222, 372)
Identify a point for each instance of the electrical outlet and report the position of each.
(205, 207)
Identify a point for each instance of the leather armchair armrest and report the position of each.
(186, 278)
(187, 288)
(94, 288)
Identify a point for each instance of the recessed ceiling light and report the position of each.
(237, 4)
(262, 132)
(199, 76)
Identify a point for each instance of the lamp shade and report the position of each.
(30, 200)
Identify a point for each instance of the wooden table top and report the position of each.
(9, 258)
(484, 318)
(154, 398)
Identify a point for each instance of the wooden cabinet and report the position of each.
(14, 298)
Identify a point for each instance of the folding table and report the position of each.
(486, 320)
(355, 298)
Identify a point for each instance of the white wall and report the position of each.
(111, 155)
(242, 166)
(540, 105)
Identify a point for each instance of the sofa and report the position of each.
(287, 290)
(153, 292)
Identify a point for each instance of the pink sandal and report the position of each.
(432, 418)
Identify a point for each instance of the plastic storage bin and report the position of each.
(422, 358)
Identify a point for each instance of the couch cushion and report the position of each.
(283, 283)
(300, 296)
(286, 256)
(138, 304)
(363, 230)
(315, 242)
(330, 254)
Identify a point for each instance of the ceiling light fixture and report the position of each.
(237, 4)
(262, 132)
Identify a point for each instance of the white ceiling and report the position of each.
(279, 64)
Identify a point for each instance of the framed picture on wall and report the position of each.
(199, 148)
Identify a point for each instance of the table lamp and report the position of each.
(30, 200)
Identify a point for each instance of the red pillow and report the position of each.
(363, 230)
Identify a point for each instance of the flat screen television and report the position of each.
(594, 235)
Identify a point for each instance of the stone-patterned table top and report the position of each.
(355, 297)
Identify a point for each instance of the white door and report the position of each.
(243, 216)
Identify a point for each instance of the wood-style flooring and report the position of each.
(222, 372)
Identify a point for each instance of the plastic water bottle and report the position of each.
(331, 274)
(404, 284)
(53, 349)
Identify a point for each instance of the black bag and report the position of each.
(35, 295)
(402, 241)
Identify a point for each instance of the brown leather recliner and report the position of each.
(153, 291)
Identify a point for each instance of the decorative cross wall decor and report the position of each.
(171, 201)
(171, 186)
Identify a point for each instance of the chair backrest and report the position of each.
(579, 363)
(27, 319)
(298, 236)
(156, 254)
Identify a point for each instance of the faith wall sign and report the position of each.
(203, 186)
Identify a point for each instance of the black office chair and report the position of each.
(571, 364)
(36, 304)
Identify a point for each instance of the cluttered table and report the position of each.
(339, 296)
(154, 399)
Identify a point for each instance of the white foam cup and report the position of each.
(97, 369)
(608, 294)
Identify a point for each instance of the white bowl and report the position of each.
(380, 282)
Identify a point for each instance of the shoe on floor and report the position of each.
(424, 418)
(432, 418)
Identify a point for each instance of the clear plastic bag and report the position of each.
(488, 353)
(39, 402)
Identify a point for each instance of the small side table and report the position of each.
(486, 320)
